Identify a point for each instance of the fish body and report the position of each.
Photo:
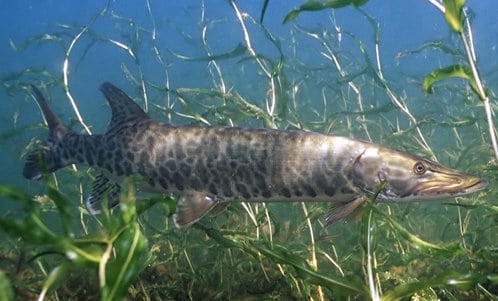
(210, 166)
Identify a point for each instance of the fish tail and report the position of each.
(48, 156)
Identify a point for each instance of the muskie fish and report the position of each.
(210, 166)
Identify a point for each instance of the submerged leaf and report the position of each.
(130, 249)
(263, 10)
(449, 72)
(129, 246)
(452, 279)
(63, 206)
(281, 255)
(14, 193)
(6, 292)
(453, 14)
(439, 250)
(55, 279)
(167, 203)
(313, 5)
(239, 50)
(32, 229)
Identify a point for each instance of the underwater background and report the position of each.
(361, 69)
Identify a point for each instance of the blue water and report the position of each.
(178, 27)
(404, 26)
(168, 45)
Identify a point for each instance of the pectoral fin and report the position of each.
(353, 208)
(104, 190)
(191, 207)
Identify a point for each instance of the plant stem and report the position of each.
(482, 94)
(471, 58)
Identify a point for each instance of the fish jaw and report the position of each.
(441, 182)
(405, 178)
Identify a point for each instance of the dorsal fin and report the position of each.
(124, 109)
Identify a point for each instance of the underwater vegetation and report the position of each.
(53, 249)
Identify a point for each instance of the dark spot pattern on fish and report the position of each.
(230, 163)
(184, 169)
(285, 192)
(171, 165)
(329, 191)
(310, 191)
(163, 183)
(130, 156)
(128, 168)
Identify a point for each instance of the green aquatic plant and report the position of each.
(253, 251)
(454, 13)
(455, 17)
(6, 292)
(115, 254)
(313, 5)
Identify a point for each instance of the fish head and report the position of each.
(399, 176)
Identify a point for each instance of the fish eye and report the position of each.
(419, 168)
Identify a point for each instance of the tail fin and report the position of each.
(48, 156)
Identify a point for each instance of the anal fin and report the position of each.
(103, 189)
(192, 206)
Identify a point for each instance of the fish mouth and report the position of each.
(450, 185)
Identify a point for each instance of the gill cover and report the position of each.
(409, 177)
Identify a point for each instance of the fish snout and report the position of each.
(450, 184)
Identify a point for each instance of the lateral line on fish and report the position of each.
(207, 167)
